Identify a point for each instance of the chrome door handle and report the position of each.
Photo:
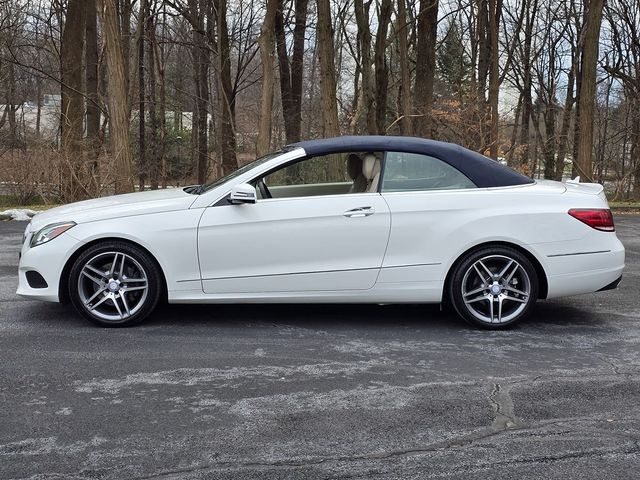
(359, 212)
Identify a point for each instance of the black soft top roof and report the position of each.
(481, 170)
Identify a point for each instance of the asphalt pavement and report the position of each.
(331, 391)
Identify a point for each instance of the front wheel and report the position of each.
(494, 287)
(114, 284)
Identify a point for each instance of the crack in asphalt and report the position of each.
(504, 421)
(456, 442)
(502, 404)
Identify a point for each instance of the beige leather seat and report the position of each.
(371, 170)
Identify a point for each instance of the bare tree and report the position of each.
(226, 92)
(587, 92)
(142, 117)
(291, 71)
(495, 8)
(118, 100)
(92, 100)
(382, 69)
(366, 99)
(563, 137)
(153, 160)
(201, 65)
(623, 64)
(327, 70)
(404, 92)
(72, 101)
(267, 48)
(425, 66)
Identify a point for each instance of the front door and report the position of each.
(316, 242)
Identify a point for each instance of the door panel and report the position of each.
(294, 244)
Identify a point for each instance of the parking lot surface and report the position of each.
(332, 391)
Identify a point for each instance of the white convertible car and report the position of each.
(349, 219)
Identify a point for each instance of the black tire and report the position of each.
(131, 303)
(501, 303)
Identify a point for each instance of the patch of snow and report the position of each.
(19, 214)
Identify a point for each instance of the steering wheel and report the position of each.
(264, 190)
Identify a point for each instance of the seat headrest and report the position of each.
(370, 166)
(354, 166)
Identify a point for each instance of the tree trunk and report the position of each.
(495, 9)
(483, 54)
(514, 132)
(547, 106)
(226, 94)
(72, 106)
(367, 86)
(12, 107)
(39, 104)
(124, 8)
(154, 161)
(313, 75)
(118, 101)
(142, 114)
(267, 47)
(549, 146)
(297, 67)
(330, 127)
(286, 93)
(201, 64)
(634, 153)
(586, 101)
(382, 69)
(91, 86)
(563, 137)
(404, 93)
(162, 105)
(425, 66)
(291, 76)
(527, 101)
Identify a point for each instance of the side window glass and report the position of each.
(333, 174)
(411, 171)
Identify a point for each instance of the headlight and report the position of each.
(50, 232)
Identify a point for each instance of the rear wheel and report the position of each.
(494, 287)
(115, 284)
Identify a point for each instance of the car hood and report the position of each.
(129, 204)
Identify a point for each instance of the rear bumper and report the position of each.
(585, 271)
(613, 285)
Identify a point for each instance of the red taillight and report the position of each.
(598, 218)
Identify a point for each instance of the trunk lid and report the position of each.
(576, 185)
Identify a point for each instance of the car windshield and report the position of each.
(245, 168)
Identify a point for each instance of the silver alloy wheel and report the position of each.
(496, 289)
(113, 286)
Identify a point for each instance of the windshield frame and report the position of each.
(244, 169)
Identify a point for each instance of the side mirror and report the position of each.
(243, 193)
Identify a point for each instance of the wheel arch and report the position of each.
(543, 284)
(63, 284)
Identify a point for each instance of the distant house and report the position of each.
(49, 123)
(27, 118)
(52, 101)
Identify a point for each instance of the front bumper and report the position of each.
(48, 260)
